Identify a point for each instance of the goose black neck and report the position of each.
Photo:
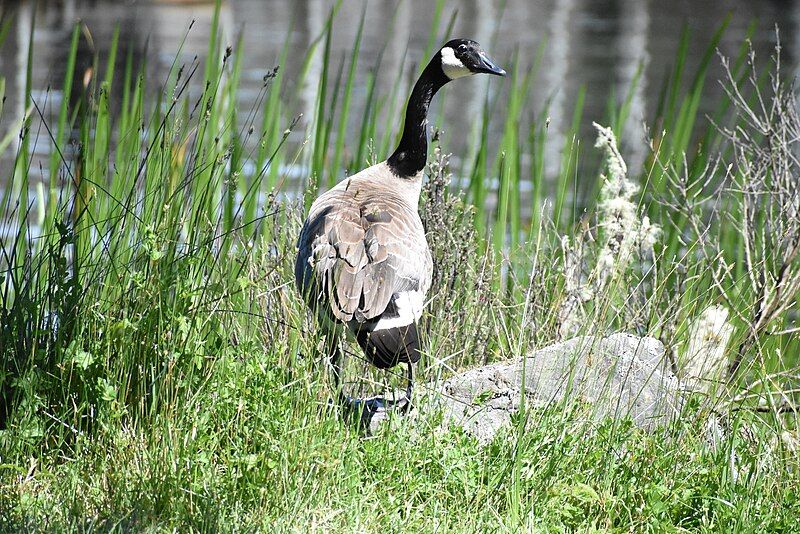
(412, 153)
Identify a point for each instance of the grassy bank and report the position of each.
(160, 371)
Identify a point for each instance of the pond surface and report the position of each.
(598, 44)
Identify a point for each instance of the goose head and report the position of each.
(465, 57)
(456, 59)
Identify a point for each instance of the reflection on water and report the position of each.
(597, 43)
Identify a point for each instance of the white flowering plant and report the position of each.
(612, 273)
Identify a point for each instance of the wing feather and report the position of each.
(357, 250)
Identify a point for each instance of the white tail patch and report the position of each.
(409, 309)
(452, 66)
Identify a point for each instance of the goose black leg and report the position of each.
(335, 358)
(403, 404)
(362, 409)
(409, 387)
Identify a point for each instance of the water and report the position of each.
(596, 43)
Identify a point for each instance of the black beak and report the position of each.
(487, 66)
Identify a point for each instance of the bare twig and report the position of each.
(758, 192)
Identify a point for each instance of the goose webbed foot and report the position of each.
(368, 410)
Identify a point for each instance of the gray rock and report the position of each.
(618, 376)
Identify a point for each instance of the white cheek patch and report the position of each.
(452, 66)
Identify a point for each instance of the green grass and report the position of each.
(161, 372)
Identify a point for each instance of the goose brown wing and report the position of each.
(355, 255)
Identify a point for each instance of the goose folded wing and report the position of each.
(362, 264)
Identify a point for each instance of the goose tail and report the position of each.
(388, 347)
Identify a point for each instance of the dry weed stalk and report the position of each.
(625, 237)
(462, 270)
(761, 183)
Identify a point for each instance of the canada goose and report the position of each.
(363, 260)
